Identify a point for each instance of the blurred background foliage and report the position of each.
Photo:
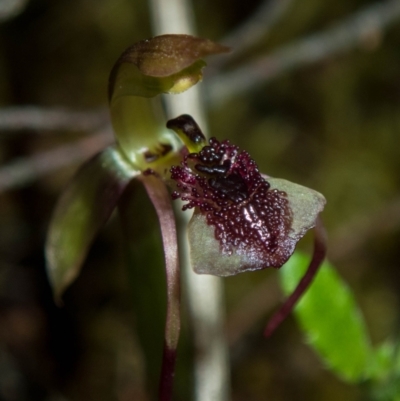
(332, 125)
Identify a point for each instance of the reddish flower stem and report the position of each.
(316, 261)
(161, 200)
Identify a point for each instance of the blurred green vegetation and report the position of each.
(333, 126)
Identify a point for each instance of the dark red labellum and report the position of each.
(249, 217)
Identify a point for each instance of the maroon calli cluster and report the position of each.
(225, 184)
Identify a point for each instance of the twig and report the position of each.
(346, 35)
(204, 293)
(255, 28)
(11, 8)
(22, 172)
(50, 119)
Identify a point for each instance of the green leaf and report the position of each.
(82, 210)
(385, 373)
(331, 320)
(384, 362)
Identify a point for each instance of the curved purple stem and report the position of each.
(319, 254)
(161, 200)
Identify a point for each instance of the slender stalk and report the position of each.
(206, 312)
(162, 202)
(319, 254)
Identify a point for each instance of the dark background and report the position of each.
(332, 125)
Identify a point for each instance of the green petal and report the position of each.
(163, 64)
(165, 56)
(330, 318)
(306, 205)
(82, 210)
(205, 250)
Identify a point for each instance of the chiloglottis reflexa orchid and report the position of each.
(242, 221)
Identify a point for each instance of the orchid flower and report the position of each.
(242, 221)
